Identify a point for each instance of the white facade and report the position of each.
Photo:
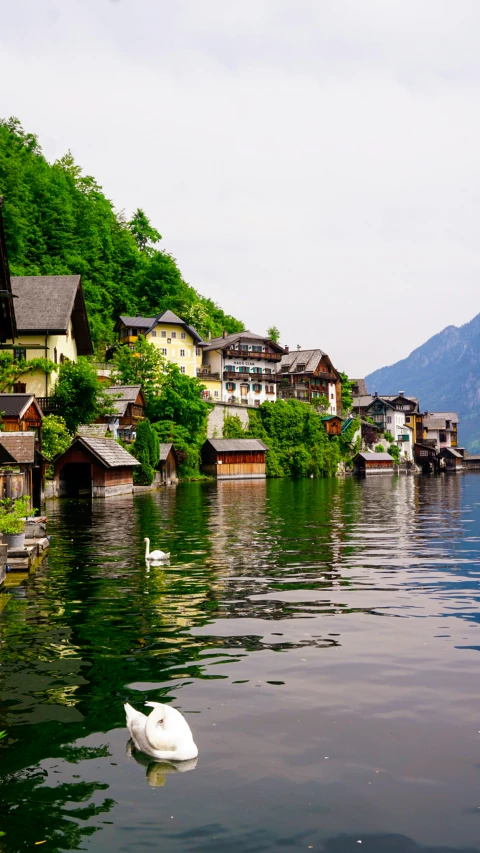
(245, 380)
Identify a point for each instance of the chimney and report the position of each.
(287, 350)
(224, 333)
(299, 346)
(376, 394)
(401, 393)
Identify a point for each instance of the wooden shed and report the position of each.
(23, 467)
(234, 458)
(332, 424)
(451, 459)
(425, 456)
(167, 465)
(93, 467)
(372, 463)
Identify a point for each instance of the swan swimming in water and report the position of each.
(154, 555)
(164, 734)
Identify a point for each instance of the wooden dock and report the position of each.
(25, 559)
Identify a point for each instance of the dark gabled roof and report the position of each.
(106, 450)
(332, 418)
(148, 323)
(165, 449)
(361, 385)
(236, 445)
(448, 416)
(237, 337)
(375, 457)
(381, 400)
(8, 327)
(452, 452)
(20, 446)
(310, 358)
(15, 405)
(47, 303)
(125, 395)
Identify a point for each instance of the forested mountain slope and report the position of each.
(444, 373)
(58, 221)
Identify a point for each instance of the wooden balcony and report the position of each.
(206, 374)
(234, 376)
(49, 406)
(243, 353)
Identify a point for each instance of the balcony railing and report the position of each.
(49, 405)
(234, 376)
(403, 437)
(243, 353)
(206, 374)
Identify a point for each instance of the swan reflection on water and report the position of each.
(157, 771)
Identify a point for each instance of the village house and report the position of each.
(129, 404)
(389, 416)
(93, 467)
(245, 366)
(22, 413)
(451, 459)
(234, 459)
(372, 463)
(52, 323)
(333, 424)
(310, 375)
(178, 342)
(440, 428)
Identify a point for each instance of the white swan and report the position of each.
(154, 555)
(164, 734)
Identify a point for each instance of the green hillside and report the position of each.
(58, 221)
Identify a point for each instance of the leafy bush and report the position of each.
(55, 436)
(233, 427)
(388, 436)
(12, 514)
(379, 448)
(80, 396)
(146, 449)
(394, 452)
(188, 451)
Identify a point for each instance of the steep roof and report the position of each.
(20, 446)
(15, 405)
(362, 400)
(107, 450)
(448, 416)
(165, 449)
(235, 445)
(125, 395)
(311, 358)
(361, 385)
(434, 422)
(381, 400)
(369, 456)
(238, 337)
(148, 323)
(452, 452)
(47, 303)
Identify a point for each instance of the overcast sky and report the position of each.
(311, 164)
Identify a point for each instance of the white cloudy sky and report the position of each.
(310, 163)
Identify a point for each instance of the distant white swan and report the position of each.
(154, 555)
(164, 734)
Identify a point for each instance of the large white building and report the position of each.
(244, 366)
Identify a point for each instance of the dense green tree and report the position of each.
(233, 427)
(347, 398)
(180, 401)
(188, 451)
(58, 221)
(81, 398)
(55, 436)
(146, 450)
(273, 334)
(143, 232)
(142, 365)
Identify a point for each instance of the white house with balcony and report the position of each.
(245, 364)
(390, 416)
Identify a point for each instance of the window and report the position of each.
(231, 386)
(20, 388)
(256, 349)
(267, 370)
(424, 453)
(244, 369)
(182, 353)
(332, 396)
(257, 388)
(164, 351)
(154, 334)
(183, 336)
(443, 438)
(215, 393)
(230, 368)
(182, 370)
(19, 354)
(173, 334)
(389, 420)
(55, 356)
(198, 351)
(163, 333)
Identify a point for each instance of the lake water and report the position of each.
(321, 637)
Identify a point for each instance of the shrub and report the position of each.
(394, 452)
(379, 448)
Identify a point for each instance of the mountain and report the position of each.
(59, 222)
(444, 373)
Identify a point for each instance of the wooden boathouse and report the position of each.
(234, 458)
(93, 467)
(167, 465)
(372, 463)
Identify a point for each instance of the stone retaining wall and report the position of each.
(218, 415)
